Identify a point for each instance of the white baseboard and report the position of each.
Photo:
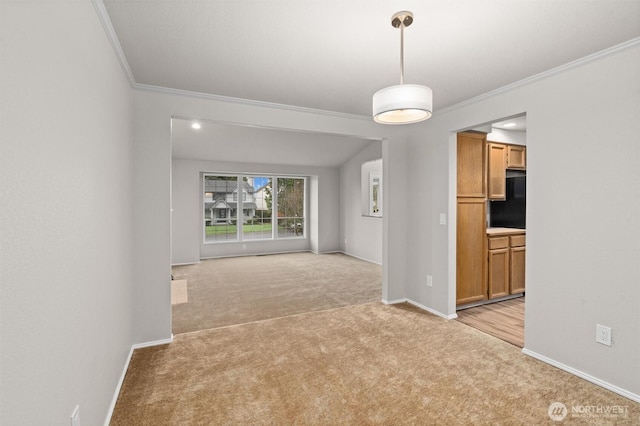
(124, 372)
(433, 311)
(186, 263)
(266, 253)
(393, 302)
(613, 388)
(421, 306)
(359, 257)
(153, 343)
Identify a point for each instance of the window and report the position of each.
(219, 213)
(375, 194)
(290, 200)
(263, 199)
(260, 203)
(371, 191)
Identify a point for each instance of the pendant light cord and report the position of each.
(402, 53)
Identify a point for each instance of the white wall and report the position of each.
(395, 222)
(360, 236)
(187, 245)
(583, 212)
(66, 255)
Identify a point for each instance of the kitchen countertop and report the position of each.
(505, 231)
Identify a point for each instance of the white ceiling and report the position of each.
(515, 124)
(333, 55)
(245, 144)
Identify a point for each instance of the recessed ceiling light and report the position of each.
(508, 124)
(195, 126)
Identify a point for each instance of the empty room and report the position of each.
(336, 185)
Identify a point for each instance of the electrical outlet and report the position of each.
(603, 334)
(75, 416)
(429, 281)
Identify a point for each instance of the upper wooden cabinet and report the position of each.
(471, 165)
(516, 157)
(496, 173)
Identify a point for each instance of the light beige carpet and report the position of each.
(238, 290)
(356, 365)
(179, 292)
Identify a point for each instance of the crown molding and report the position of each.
(543, 75)
(251, 102)
(103, 16)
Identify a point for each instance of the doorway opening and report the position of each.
(491, 227)
(254, 231)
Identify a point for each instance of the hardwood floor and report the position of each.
(504, 320)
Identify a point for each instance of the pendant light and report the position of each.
(404, 103)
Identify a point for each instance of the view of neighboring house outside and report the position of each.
(221, 200)
(261, 224)
(262, 192)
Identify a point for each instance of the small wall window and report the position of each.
(375, 194)
(372, 184)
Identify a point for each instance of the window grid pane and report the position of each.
(290, 207)
(259, 227)
(220, 212)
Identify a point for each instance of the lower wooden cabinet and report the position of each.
(505, 265)
(471, 247)
(517, 254)
(498, 268)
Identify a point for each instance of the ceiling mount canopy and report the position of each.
(404, 103)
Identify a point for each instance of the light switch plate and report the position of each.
(443, 218)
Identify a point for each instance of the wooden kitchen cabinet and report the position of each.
(471, 218)
(498, 268)
(470, 248)
(517, 254)
(496, 171)
(471, 164)
(505, 265)
(516, 157)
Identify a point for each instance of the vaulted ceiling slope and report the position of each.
(333, 55)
